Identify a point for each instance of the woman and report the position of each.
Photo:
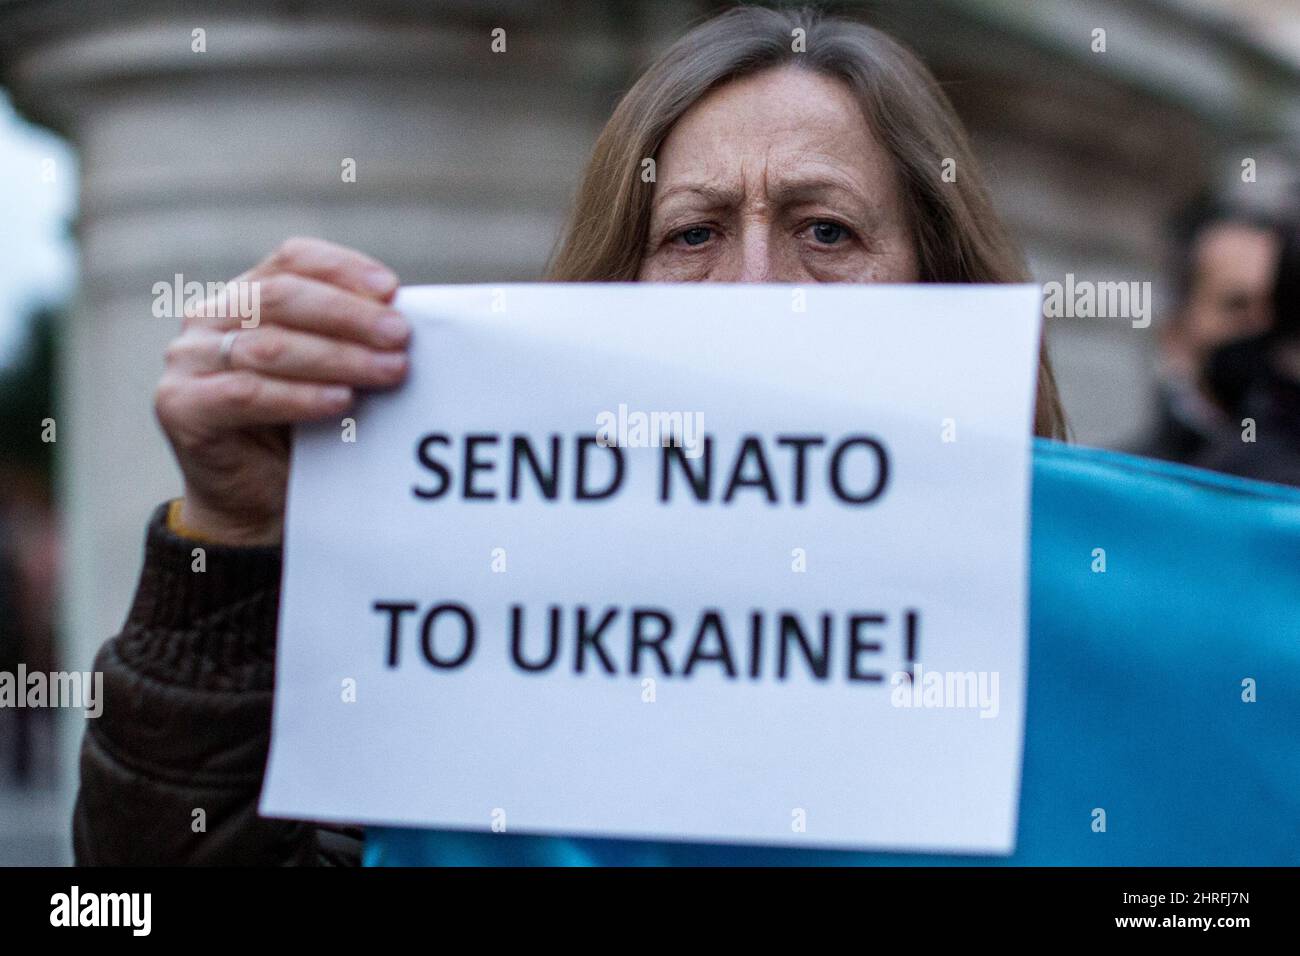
(763, 147)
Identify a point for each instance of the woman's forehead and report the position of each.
(776, 106)
(790, 133)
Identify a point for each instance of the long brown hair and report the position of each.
(958, 236)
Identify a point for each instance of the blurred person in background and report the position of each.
(28, 568)
(14, 729)
(1256, 380)
(29, 549)
(1225, 260)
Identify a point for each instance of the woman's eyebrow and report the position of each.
(832, 190)
(713, 195)
(823, 189)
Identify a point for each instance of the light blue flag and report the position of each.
(1164, 691)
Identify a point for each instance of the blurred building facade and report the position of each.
(198, 161)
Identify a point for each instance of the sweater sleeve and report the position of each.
(172, 769)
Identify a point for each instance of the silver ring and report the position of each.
(228, 346)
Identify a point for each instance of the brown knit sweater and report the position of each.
(172, 769)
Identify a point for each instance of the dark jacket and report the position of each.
(172, 769)
(1248, 381)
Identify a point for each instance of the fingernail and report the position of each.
(393, 328)
(389, 361)
(380, 280)
(336, 394)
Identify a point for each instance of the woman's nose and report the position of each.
(755, 255)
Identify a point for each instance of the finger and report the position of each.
(286, 353)
(330, 263)
(309, 305)
(239, 399)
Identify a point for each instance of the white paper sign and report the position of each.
(506, 603)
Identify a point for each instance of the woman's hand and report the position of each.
(325, 330)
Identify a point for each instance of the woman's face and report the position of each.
(776, 177)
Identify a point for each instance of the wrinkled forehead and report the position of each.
(784, 133)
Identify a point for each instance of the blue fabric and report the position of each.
(1135, 687)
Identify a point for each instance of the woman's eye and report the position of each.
(695, 235)
(828, 233)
